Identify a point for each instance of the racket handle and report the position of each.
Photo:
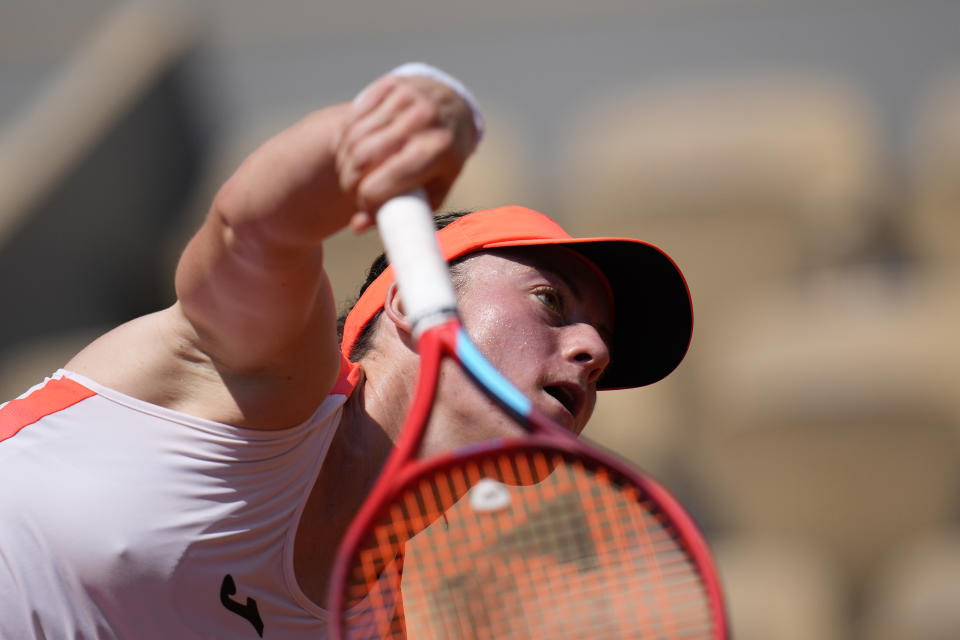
(408, 234)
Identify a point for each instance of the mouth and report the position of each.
(569, 395)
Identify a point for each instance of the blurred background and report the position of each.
(800, 160)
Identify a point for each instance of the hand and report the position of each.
(399, 134)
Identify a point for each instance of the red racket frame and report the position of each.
(401, 466)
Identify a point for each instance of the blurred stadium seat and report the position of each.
(933, 213)
(781, 589)
(915, 592)
(832, 416)
(744, 181)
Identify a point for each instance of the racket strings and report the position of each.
(525, 546)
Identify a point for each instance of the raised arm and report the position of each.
(252, 337)
(251, 281)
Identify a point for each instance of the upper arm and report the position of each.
(253, 334)
(259, 311)
(251, 283)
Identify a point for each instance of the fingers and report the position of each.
(401, 133)
(361, 221)
(370, 98)
(376, 107)
(426, 161)
(372, 139)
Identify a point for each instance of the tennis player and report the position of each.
(190, 473)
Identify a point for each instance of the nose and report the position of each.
(587, 349)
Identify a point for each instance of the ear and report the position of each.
(393, 307)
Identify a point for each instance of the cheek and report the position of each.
(508, 331)
(506, 341)
(488, 328)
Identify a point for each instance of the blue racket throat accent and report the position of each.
(489, 378)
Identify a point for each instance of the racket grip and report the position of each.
(409, 238)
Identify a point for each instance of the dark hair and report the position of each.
(364, 340)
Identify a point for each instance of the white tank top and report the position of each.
(123, 519)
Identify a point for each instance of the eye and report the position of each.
(550, 298)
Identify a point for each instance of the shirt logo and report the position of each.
(247, 611)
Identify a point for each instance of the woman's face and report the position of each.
(543, 317)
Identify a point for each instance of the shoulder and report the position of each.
(155, 359)
(143, 358)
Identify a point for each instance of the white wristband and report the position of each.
(428, 71)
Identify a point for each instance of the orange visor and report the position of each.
(653, 317)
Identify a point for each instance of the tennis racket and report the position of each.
(538, 536)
